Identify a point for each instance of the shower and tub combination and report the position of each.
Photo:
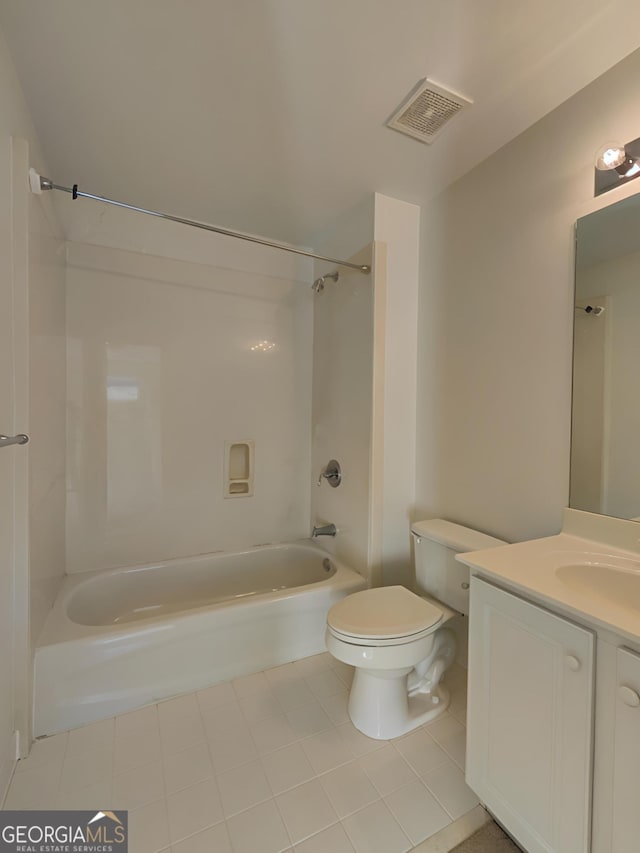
(130, 627)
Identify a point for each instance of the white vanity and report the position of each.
(553, 745)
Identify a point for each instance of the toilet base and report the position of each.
(381, 708)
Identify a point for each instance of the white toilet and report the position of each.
(396, 639)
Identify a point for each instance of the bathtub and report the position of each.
(119, 639)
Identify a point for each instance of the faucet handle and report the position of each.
(332, 473)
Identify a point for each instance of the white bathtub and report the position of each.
(119, 639)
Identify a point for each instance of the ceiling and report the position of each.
(268, 115)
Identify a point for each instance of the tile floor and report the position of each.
(269, 762)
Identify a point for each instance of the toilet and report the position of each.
(397, 640)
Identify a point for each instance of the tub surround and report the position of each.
(90, 666)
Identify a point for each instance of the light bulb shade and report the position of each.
(611, 155)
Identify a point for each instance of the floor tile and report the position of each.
(86, 768)
(183, 769)
(193, 809)
(180, 724)
(349, 789)
(417, 811)
(222, 716)
(148, 828)
(212, 840)
(458, 705)
(94, 736)
(243, 787)
(331, 840)
(449, 788)
(358, 743)
(275, 752)
(273, 733)
(444, 727)
(325, 684)
(375, 830)
(231, 747)
(306, 810)
(282, 674)
(212, 697)
(259, 829)
(181, 709)
(456, 746)
(326, 750)
(293, 694)
(312, 665)
(176, 737)
(286, 768)
(421, 751)
(387, 769)
(336, 707)
(136, 748)
(136, 787)
(34, 788)
(260, 705)
(144, 718)
(309, 719)
(248, 684)
(95, 796)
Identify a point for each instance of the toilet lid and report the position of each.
(383, 613)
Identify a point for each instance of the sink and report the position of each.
(616, 580)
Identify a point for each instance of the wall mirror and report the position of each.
(605, 429)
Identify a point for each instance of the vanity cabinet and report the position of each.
(625, 801)
(530, 721)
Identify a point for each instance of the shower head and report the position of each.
(596, 310)
(318, 284)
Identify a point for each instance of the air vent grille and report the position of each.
(426, 111)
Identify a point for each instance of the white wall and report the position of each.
(47, 408)
(342, 406)
(496, 313)
(397, 224)
(27, 259)
(384, 328)
(161, 373)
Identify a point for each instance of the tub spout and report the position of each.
(325, 530)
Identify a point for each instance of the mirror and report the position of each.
(605, 428)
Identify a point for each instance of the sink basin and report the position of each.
(615, 580)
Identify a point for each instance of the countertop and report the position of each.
(592, 581)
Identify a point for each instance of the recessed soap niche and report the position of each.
(238, 469)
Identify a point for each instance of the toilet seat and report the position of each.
(384, 616)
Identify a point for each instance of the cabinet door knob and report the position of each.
(573, 663)
(629, 696)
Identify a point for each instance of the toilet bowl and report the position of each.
(389, 634)
(397, 640)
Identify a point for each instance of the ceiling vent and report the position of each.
(426, 111)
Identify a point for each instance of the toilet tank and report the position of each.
(438, 573)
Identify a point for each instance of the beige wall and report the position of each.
(496, 312)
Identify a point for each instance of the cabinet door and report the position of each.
(529, 737)
(626, 766)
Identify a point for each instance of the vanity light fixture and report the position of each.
(616, 164)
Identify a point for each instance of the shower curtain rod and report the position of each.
(38, 184)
